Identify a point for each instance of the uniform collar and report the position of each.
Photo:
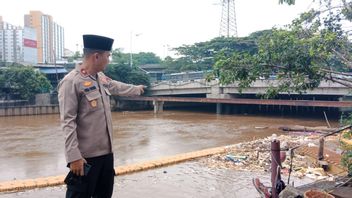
(79, 68)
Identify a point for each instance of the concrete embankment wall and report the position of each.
(40, 104)
(29, 110)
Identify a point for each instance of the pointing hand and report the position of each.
(141, 88)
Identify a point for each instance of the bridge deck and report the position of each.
(307, 103)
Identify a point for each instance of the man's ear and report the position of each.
(96, 56)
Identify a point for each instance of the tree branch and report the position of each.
(345, 4)
(348, 62)
(338, 81)
(274, 66)
(336, 72)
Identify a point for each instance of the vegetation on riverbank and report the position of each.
(22, 81)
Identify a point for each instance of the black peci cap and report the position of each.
(96, 42)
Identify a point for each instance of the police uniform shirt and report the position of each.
(85, 112)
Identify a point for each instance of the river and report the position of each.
(32, 146)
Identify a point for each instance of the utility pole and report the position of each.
(57, 77)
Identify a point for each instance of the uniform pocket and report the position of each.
(93, 100)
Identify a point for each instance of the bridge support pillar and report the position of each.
(158, 106)
(345, 109)
(117, 104)
(218, 108)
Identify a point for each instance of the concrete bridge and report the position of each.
(214, 90)
(158, 102)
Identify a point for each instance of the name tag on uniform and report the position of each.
(90, 89)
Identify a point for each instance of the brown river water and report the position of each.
(32, 146)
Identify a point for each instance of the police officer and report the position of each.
(86, 120)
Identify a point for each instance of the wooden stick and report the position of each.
(327, 121)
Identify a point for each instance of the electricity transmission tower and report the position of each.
(228, 25)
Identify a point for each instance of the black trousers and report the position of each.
(98, 183)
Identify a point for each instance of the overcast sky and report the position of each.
(154, 24)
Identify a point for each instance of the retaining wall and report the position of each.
(29, 110)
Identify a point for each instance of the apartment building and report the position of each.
(50, 36)
(17, 44)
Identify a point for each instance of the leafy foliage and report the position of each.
(126, 74)
(76, 56)
(180, 64)
(289, 2)
(197, 57)
(142, 58)
(313, 48)
(201, 56)
(23, 81)
(346, 160)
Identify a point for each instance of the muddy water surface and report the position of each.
(32, 146)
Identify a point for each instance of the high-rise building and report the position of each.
(17, 44)
(59, 40)
(50, 36)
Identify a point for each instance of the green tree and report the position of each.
(289, 2)
(126, 74)
(142, 58)
(201, 56)
(23, 81)
(120, 58)
(313, 48)
(76, 56)
(180, 64)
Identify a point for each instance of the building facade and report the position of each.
(17, 44)
(59, 40)
(50, 36)
(30, 50)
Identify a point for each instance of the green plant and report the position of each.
(346, 160)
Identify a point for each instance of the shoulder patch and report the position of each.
(105, 79)
(83, 72)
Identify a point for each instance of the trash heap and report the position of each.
(255, 156)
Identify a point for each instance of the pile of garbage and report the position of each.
(255, 156)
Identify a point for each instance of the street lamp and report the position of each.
(131, 37)
(166, 50)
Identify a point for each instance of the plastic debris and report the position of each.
(255, 156)
(235, 158)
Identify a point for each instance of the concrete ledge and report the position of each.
(29, 110)
(20, 185)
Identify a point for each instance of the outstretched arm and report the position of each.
(120, 88)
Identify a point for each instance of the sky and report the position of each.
(152, 25)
